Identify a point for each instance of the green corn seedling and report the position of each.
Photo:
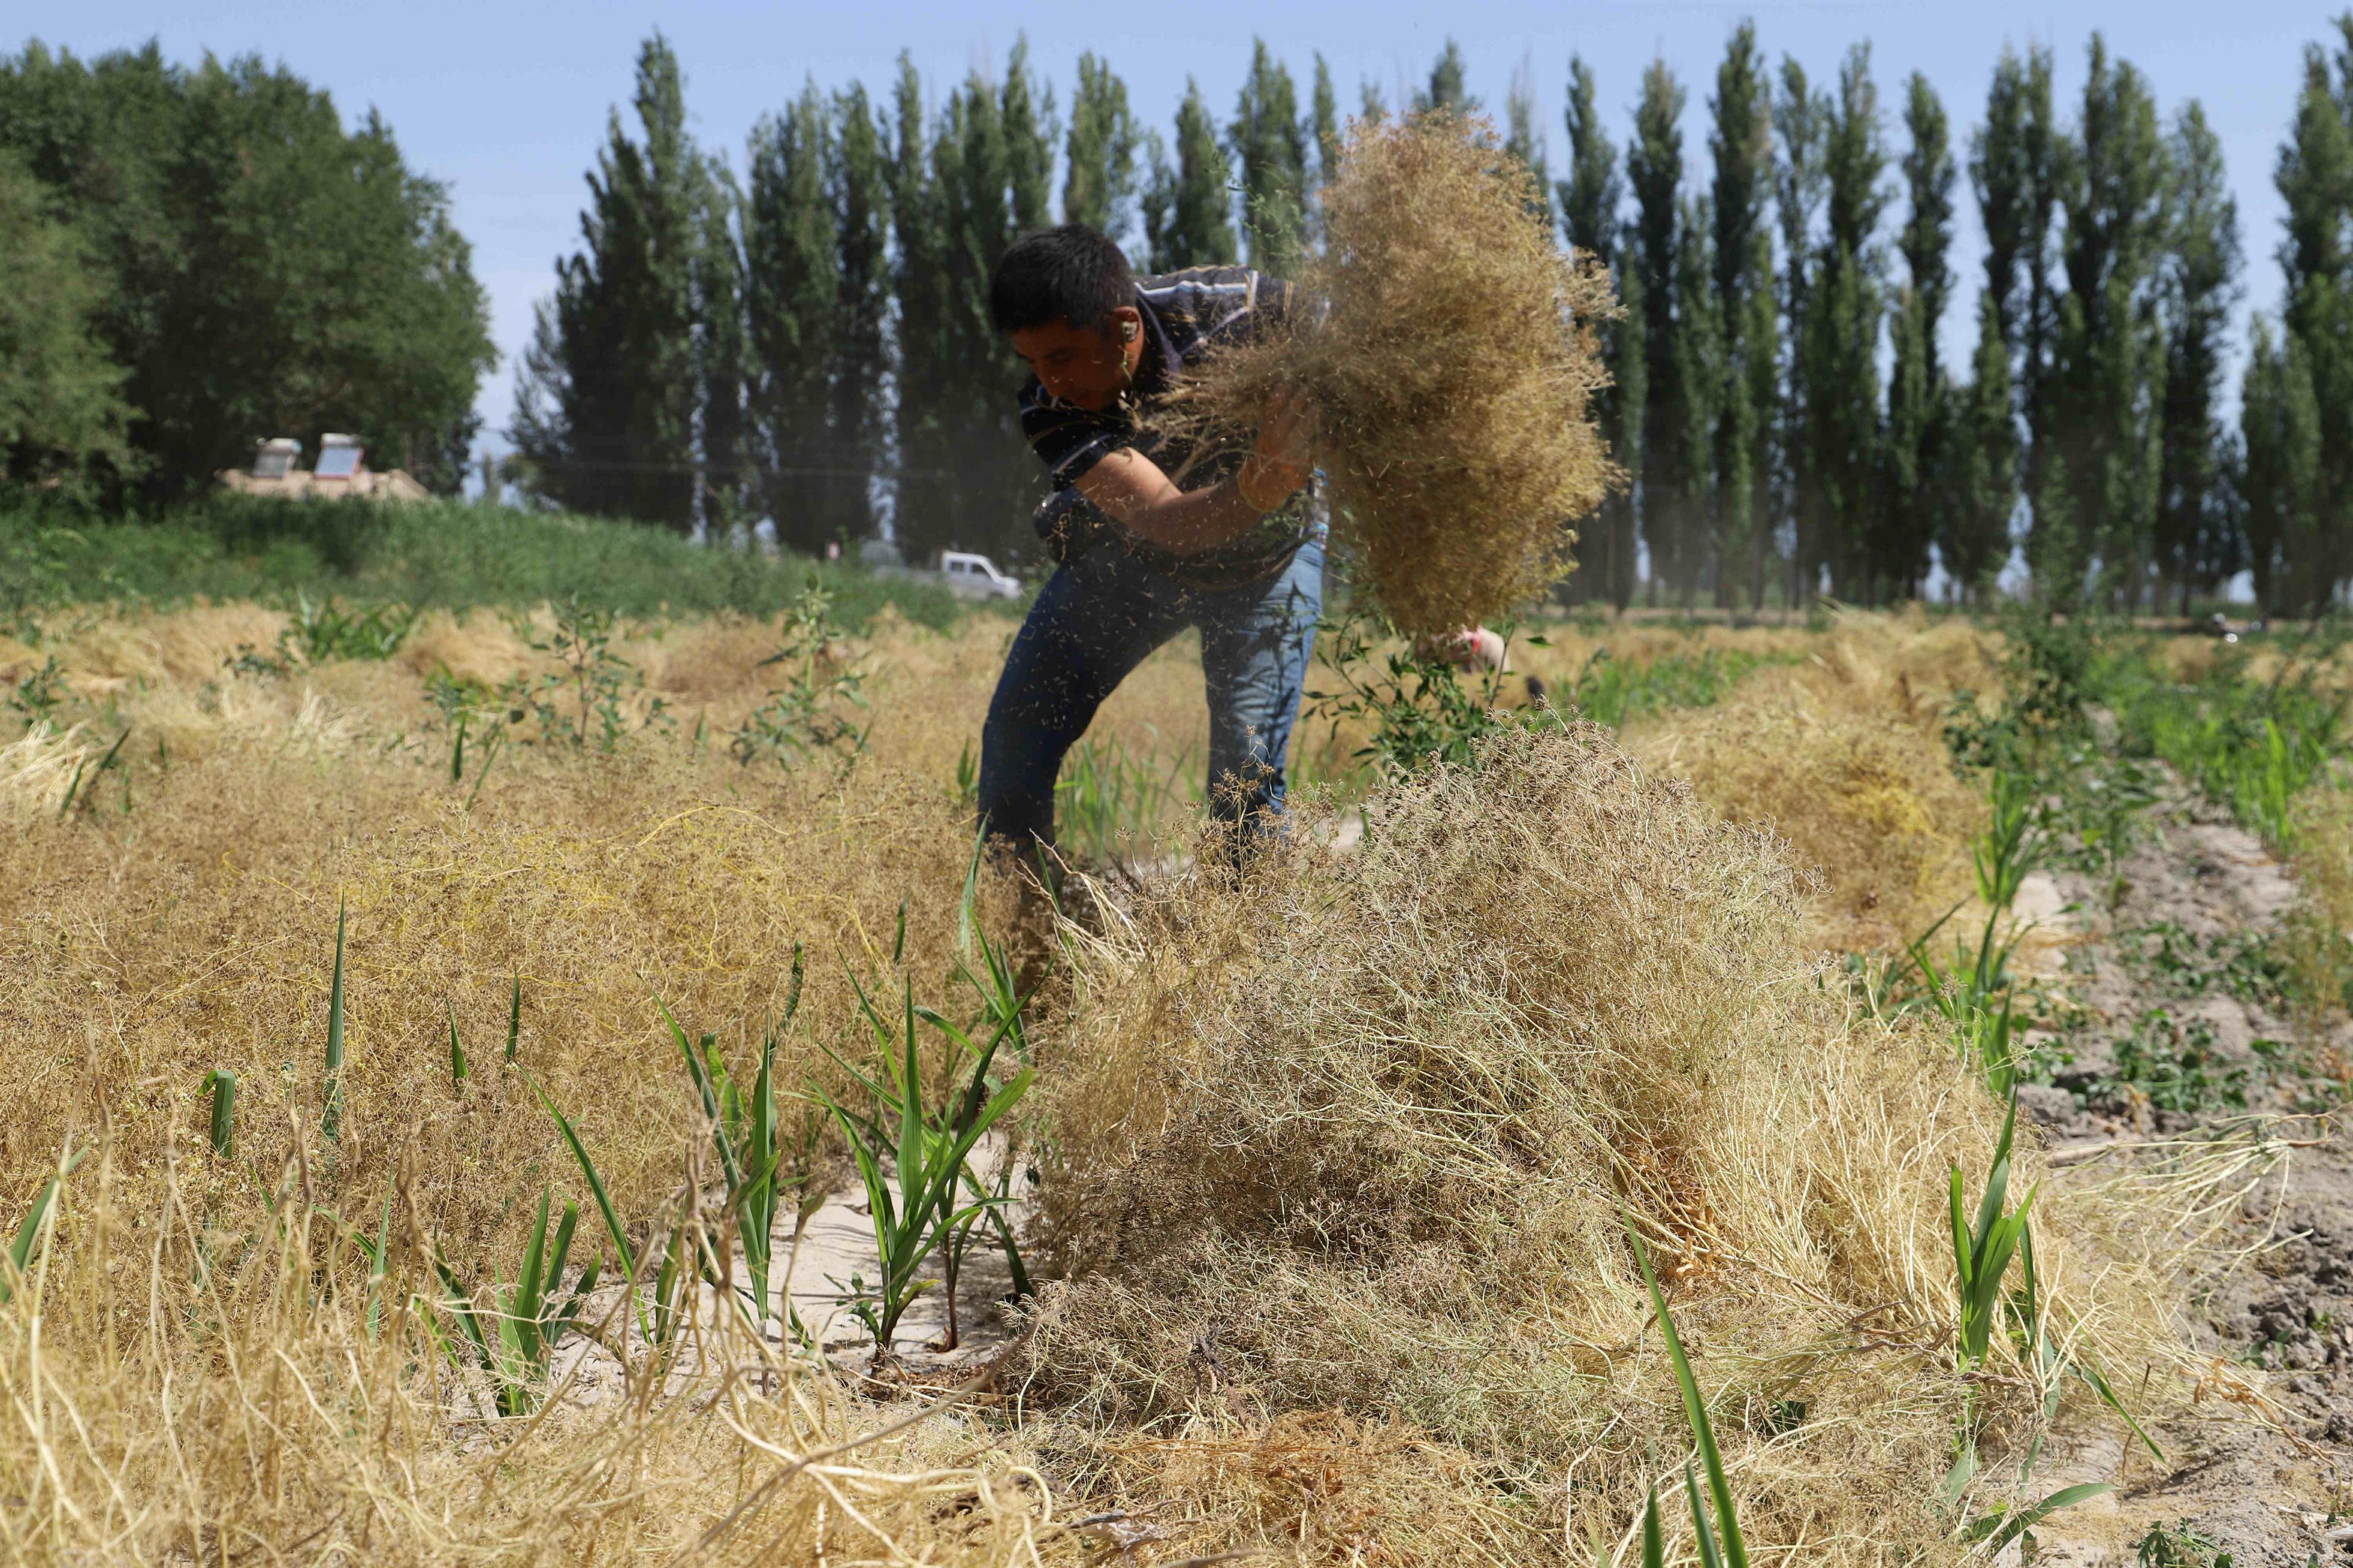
(515, 1343)
(1982, 1254)
(514, 1019)
(743, 1131)
(457, 1067)
(20, 1251)
(930, 1157)
(379, 1260)
(331, 1118)
(221, 1084)
(657, 1319)
(1722, 1547)
(1981, 1257)
(2007, 850)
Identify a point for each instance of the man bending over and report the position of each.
(1151, 533)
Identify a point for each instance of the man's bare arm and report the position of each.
(1132, 487)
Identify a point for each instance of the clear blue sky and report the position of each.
(508, 101)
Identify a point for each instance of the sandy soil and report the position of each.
(2264, 1470)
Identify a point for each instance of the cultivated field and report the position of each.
(1325, 1176)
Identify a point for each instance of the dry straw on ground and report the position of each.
(1452, 372)
(1343, 1146)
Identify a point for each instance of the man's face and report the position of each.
(1086, 366)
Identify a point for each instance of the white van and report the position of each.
(975, 577)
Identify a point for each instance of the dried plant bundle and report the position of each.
(1453, 369)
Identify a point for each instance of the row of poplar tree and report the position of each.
(810, 343)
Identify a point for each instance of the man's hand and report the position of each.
(1473, 649)
(1283, 460)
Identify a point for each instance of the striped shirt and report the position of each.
(1185, 315)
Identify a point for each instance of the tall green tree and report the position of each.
(258, 268)
(1324, 136)
(1188, 214)
(1026, 110)
(1522, 138)
(1842, 331)
(722, 360)
(1740, 140)
(1589, 202)
(1700, 379)
(1099, 185)
(1269, 144)
(609, 404)
(1919, 407)
(2196, 543)
(1449, 89)
(1983, 464)
(2042, 155)
(859, 184)
(2279, 424)
(991, 153)
(1800, 114)
(2109, 366)
(63, 419)
(1654, 170)
(2314, 177)
(923, 497)
(793, 296)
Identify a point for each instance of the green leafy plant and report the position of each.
(83, 774)
(1982, 1251)
(38, 696)
(458, 1064)
(657, 1314)
(2245, 964)
(938, 1197)
(515, 1339)
(586, 698)
(331, 1116)
(1420, 706)
(745, 1134)
(1722, 1543)
(1616, 691)
(325, 631)
(221, 1085)
(2250, 745)
(2179, 1545)
(810, 713)
(1108, 801)
(29, 1230)
(2177, 1064)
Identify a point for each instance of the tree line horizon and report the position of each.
(809, 343)
(1781, 403)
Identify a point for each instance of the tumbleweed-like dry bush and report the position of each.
(1359, 1134)
(1452, 372)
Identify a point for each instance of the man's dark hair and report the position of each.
(1076, 273)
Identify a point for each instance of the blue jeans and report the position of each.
(1100, 616)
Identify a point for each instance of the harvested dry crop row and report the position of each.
(1357, 1136)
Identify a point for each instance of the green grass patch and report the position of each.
(443, 554)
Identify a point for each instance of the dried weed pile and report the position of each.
(1452, 372)
(1358, 1136)
(1842, 755)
